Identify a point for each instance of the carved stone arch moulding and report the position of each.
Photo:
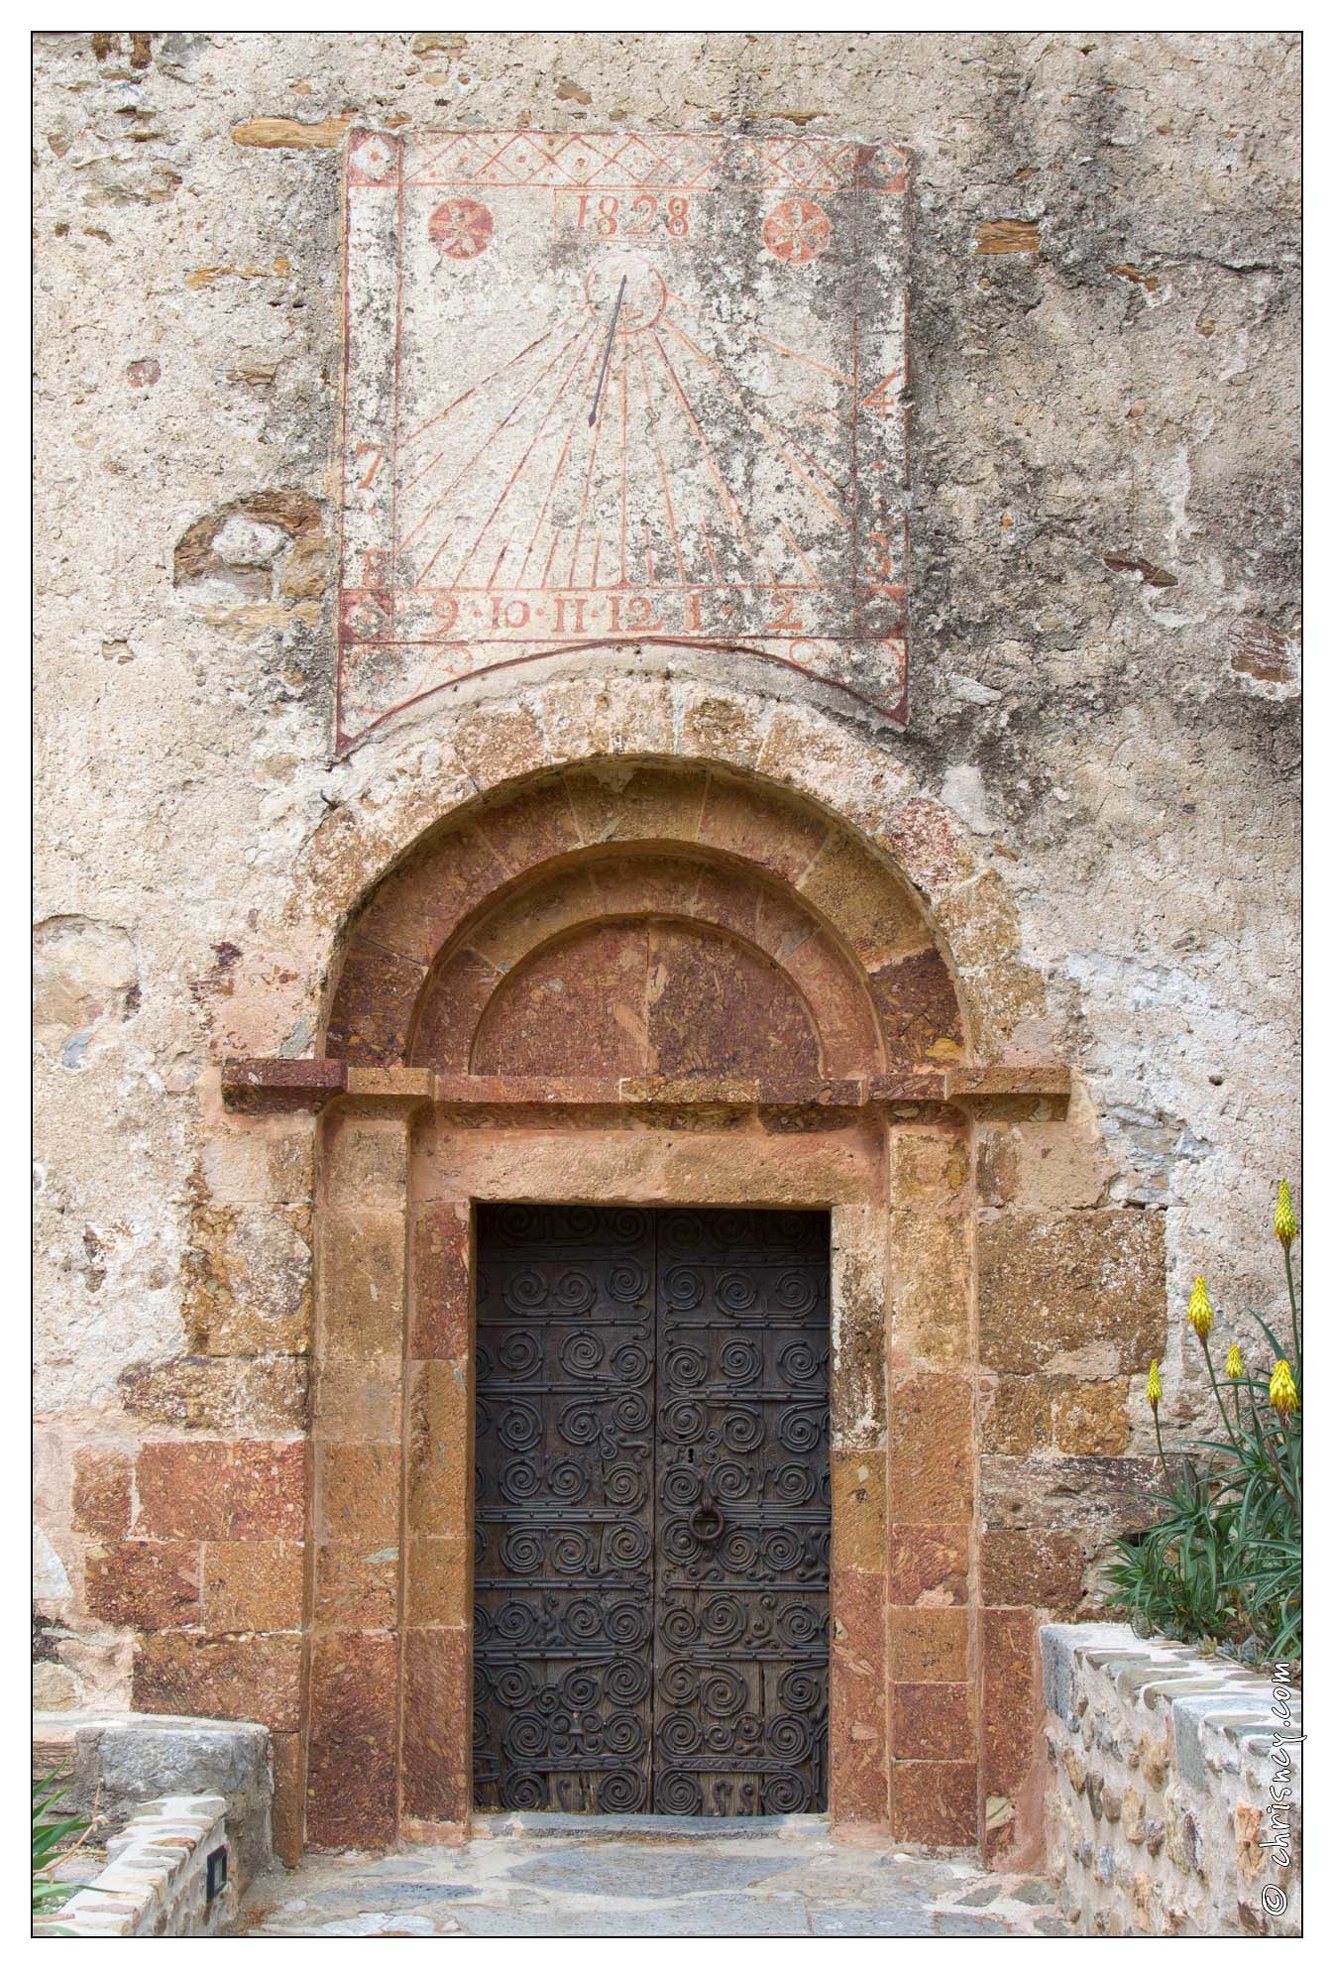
(658, 944)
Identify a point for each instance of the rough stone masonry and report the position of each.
(1102, 691)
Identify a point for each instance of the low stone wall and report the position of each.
(1174, 1798)
(157, 1877)
(121, 1763)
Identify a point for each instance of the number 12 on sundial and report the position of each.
(621, 390)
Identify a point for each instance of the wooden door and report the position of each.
(651, 1588)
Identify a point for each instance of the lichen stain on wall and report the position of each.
(1103, 590)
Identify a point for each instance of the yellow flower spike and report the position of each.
(1199, 1312)
(1235, 1367)
(1285, 1217)
(1283, 1390)
(1154, 1390)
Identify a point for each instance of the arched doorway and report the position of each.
(639, 984)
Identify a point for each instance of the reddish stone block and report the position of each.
(440, 1458)
(441, 1319)
(1033, 1569)
(931, 1454)
(919, 1012)
(102, 1494)
(356, 1586)
(373, 1006)
(928, 1565)
(210, 1490)
(935, 1804)
(149, 1586)
(289, 1786)
(933, 1721)
(416, 908)
(713, 1006)
(1091, 1418)
(743, 820)
(251, 1677)
(1012, 1707)
(226, 1395)
(451, 1007)
(358, 1493)
(531, 828)
(576, 1007)
(439, 1574)
(253, 1587)
(352, 1769)
(858, 1784)
(928, 1644)
(437, 1774)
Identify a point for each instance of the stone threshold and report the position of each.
(646, 1825)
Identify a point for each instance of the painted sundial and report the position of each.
(621, 390)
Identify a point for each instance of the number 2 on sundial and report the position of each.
(637, 389)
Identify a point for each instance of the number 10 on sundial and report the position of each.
(621, 390)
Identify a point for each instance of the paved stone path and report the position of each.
(529, 1874)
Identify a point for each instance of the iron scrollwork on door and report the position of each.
(651, 1598)
(563, 1605)
(741, 1617)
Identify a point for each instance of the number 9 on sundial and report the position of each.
(625, 389)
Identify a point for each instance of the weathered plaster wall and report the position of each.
(1102, 657)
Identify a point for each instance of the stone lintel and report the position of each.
(264, 1084)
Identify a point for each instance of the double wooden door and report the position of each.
(652, 1518)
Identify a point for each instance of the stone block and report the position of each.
(928, 1644)
(934, 1721)
(858, 1510)
(352, 1770)
(151, 1586)
(928, 1565)
(358, 1492)
(213, 1490)
(1094, 1495)
(1033, 1569)
(931, 1448)
(870, 907)
(1017, 1414)
(931, 1270)
(642, 803)
(361, 1284)
(935, 1804)
(859, 1332)
(1011, 1712)
(437, 1774)
(356, 1586)
(439, 1575)
(226, 1396)
(249, 1677)
(918, 1010)
(439, 1457)
(857, 1702)
(360, 1400)
(373, 1007)
(1090, 1418)
(365, 1162)
(1050, 1287)
(253, 1586)
(440, 1321)
(102, 1493)
(289, 1784)
(748, 821)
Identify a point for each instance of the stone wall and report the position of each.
(1174, 1796)
(1095, 785)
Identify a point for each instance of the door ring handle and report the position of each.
(707, 1524)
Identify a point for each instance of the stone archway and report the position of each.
(638, 982)
(782, 852)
